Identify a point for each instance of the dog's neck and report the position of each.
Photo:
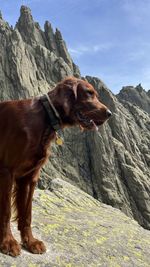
(52, 114)
(66, 120)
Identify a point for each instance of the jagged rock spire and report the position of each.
(58, 34)
(50, 37)
(25, 12)
(29, 30)
(4, 26)
(33, 35)
(62, 48)
(139, 87)
(25, 18)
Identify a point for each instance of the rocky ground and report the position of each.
(80, 232)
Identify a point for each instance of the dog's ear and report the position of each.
(71, 89)
(69, 97)
(66, 95)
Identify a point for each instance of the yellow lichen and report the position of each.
(50, 227)
(101, 240)
(126, 258)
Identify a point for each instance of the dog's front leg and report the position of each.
(25, 190)
(8, 245)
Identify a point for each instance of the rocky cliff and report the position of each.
(113, 165)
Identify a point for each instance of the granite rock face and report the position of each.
(112, 165)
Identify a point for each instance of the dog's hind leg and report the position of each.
(24, 195)
(8, 245)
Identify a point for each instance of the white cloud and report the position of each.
(75, 52)
(88, 49)
(102, 47)
(79, 51)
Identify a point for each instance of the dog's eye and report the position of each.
(89, 92)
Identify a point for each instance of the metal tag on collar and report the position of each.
(59, 140)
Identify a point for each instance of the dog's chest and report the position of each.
(32, 164)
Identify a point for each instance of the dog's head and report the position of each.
(77, 102)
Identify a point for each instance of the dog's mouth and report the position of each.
(88, 123)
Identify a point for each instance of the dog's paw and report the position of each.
(10, 247)
(36, 246)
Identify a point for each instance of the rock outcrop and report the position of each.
(135, 95)
(80, 231)
(113, 165)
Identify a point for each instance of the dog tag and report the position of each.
(59, 140)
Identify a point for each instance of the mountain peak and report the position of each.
(4, 26)
(25, 17)
(135, 95)
(25, 11)
(33, 35)
(139, 88)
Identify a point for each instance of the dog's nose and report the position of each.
(108, 113)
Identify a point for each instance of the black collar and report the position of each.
(52, 113)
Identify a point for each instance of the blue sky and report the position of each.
(109, 39)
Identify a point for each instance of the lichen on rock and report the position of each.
(80, 231)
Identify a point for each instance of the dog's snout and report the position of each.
(108, 113)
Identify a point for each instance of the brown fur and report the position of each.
(25, 135)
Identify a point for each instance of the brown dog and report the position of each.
(26, 129)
